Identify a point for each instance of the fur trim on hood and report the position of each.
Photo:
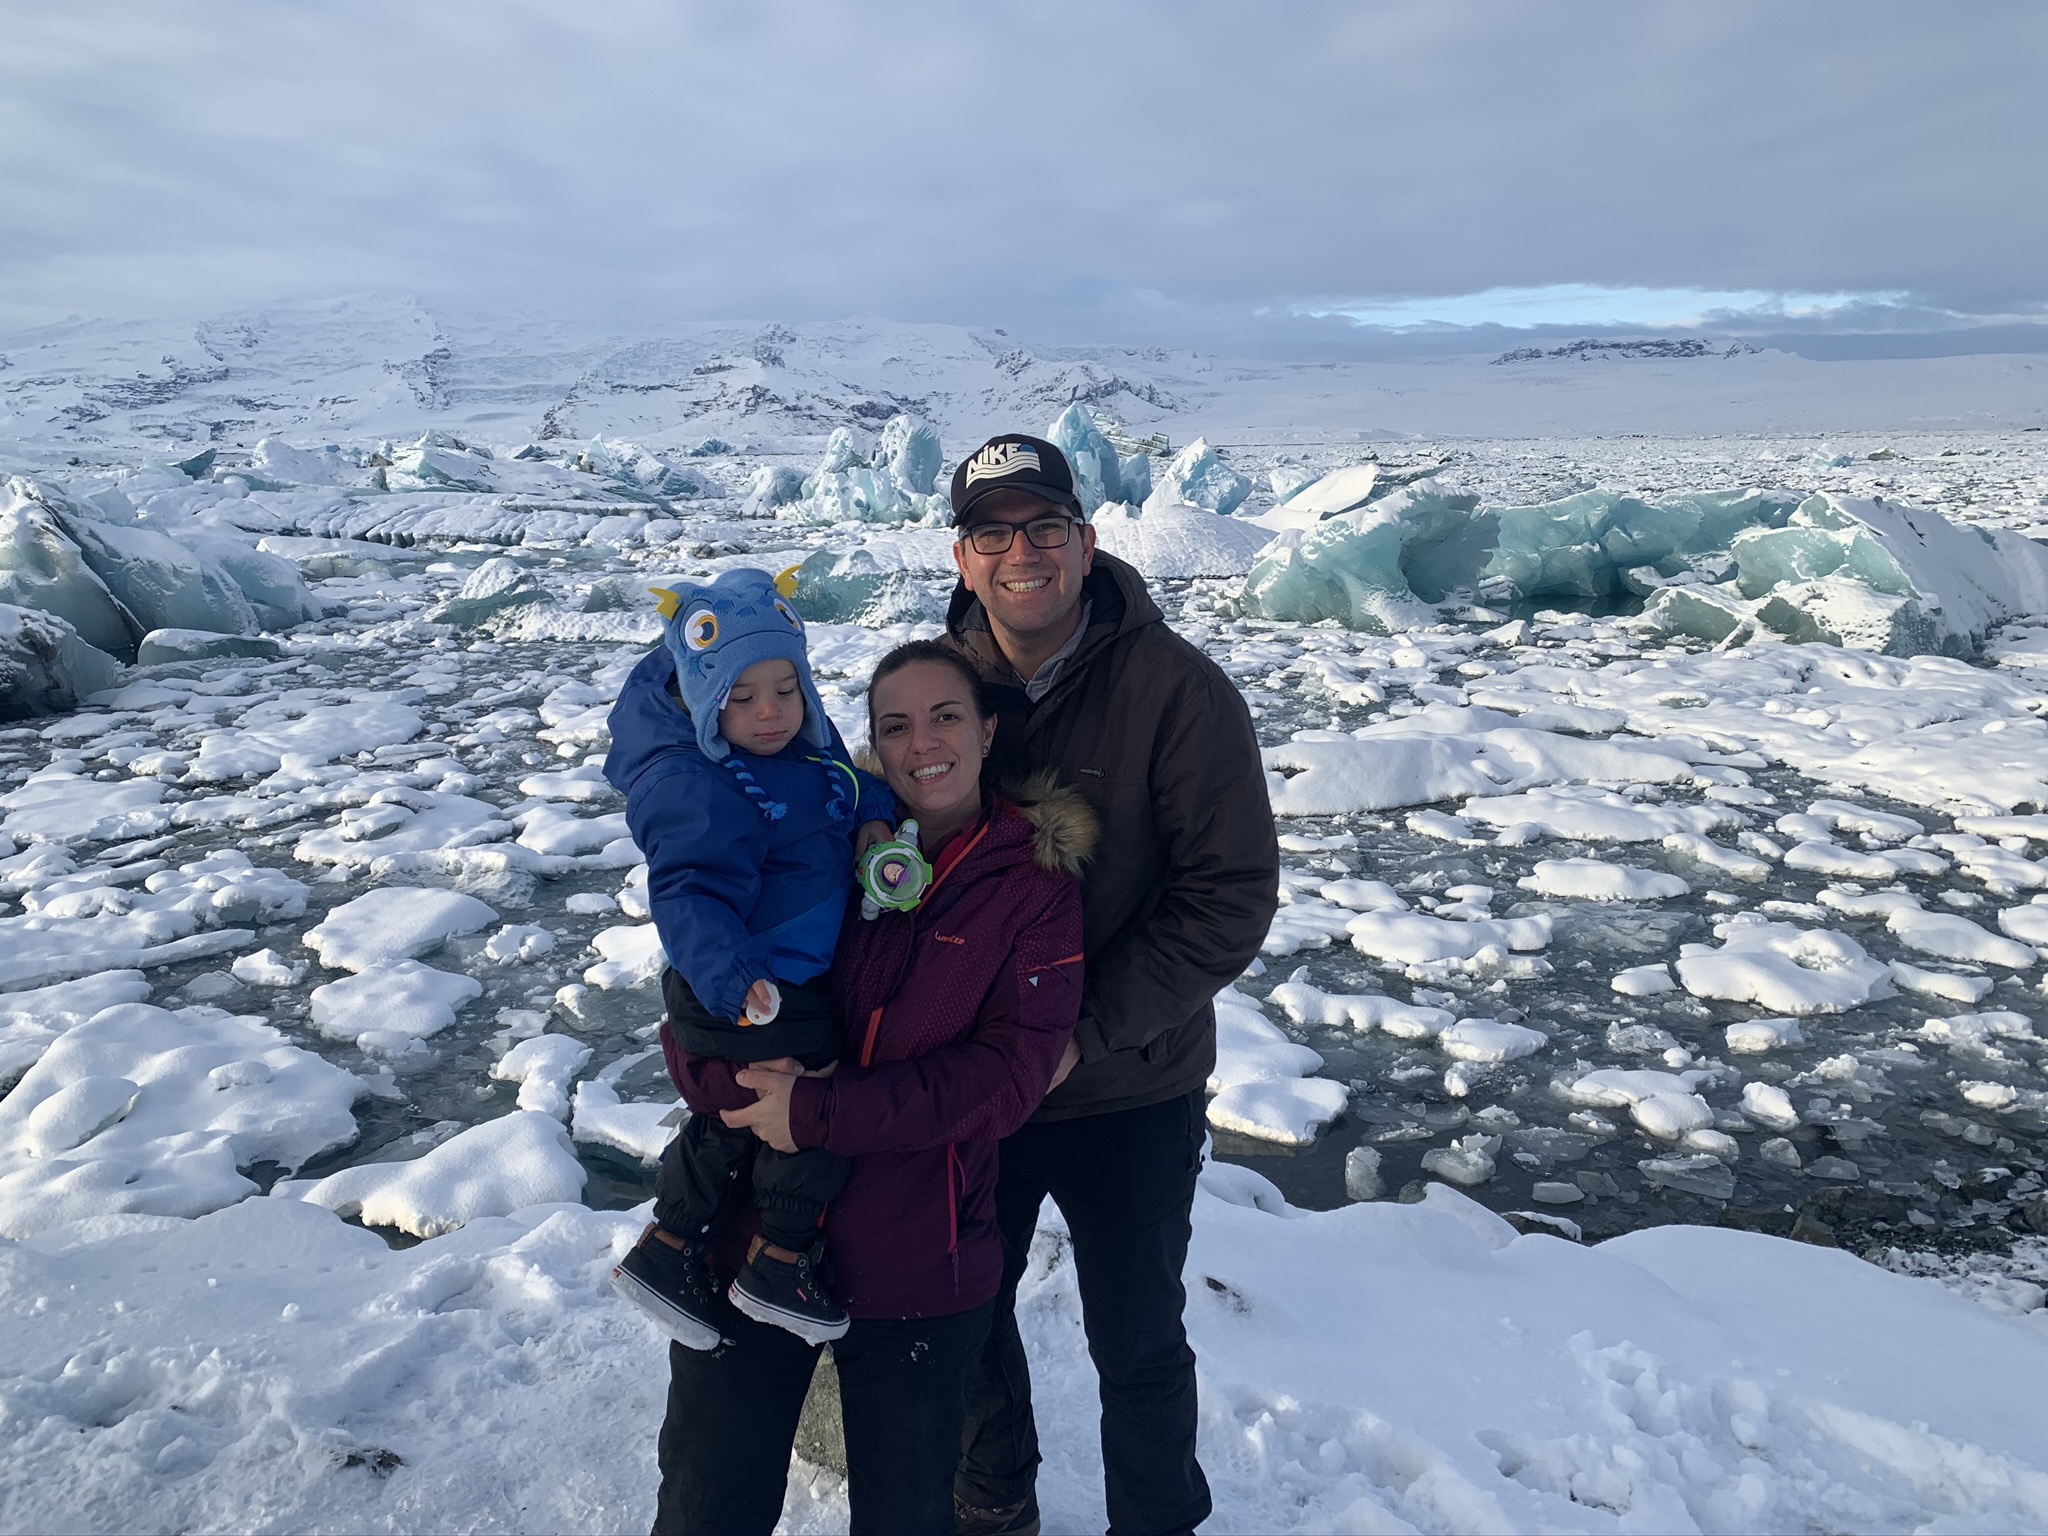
(1065, 823)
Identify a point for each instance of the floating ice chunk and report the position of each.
(1978, 1029)
(1362, 1174)
(1619, 1087)
(1993, 1096)
(1098, 473)
(431, 824)
(2028, 924)
(401, 998)
(1583, 814)
(1363, 895)
(45, 668)
(268, 733)
(167, 645)
(267, 968)
(1491, 1040)
(909, 450)
(516, 943)
(1467, 1161)
(1305, 501)
(631, 956)
(1883, 826)
(640, 1130)
(493, 1169)
(1597, 880)
(1709, 612)
(1951, 936)
(1791, 970)
(543, 1067)
(1251, 1049)
(394, 923)
(274, 586)
(1309, 1004)
(1696, 1173)
(549, 828)
(1173, 542)
(1196, 477)
(1943, 984)
(1769, 1105)
(1303, 922)
(1755, 1036)
(498, 585)
(1416, 938)
(1292, 1111)
(1671, 1116)
(55, 805)
(1644, 980)
(210, 1094)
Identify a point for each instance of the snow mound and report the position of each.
(1173, 541)
(1597, 880)
(1799, 971)
(142, 1110)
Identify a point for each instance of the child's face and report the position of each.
(765, 709)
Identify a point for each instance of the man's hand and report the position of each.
(1070, 1058)
(768, 1116)
(871, 833)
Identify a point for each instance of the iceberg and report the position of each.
(771, 487)
(500, 583)
(633, 467)
(1098, 473)
(863, 586)
(272, 584)
(45, 669)
(1136, 474)
(441, 462)
(909, 450)
(1196, 477)
(1171, 543)
(1578, 547)
(162, 582)
(42, 567)
(1367, 568)
(847, 487)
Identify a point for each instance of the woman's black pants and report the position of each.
(732, 1416)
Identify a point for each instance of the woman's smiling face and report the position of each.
(931, 742)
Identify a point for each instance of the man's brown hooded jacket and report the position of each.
(1185, 879)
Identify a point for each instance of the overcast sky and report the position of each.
(1187, 172)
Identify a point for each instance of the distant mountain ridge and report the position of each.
(1634, 347)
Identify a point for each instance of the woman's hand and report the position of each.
(768, 1116)
(871, 833)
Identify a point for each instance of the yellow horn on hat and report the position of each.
(786, 582)
(666, 602)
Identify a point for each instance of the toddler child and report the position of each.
(742, 798)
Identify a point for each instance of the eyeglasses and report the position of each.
(996, 538)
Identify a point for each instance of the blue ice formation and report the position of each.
(1196, 477)
(870, 586)
(1723, 567)
(1098, 473)
(853, 485)
(1136, 474)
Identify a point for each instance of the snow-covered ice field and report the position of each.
(1612, 956)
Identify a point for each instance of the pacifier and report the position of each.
(893, 874)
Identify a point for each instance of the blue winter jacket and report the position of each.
(749, 860)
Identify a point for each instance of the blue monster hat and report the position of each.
(716, 631)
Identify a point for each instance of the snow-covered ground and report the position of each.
(317, 916)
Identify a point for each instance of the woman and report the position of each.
(955, 1016)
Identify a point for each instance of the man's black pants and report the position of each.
(1125, 1182)
(732, 1416)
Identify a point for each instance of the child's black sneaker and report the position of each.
(672, 1285)
(785, 1290)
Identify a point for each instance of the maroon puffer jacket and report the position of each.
(954, 1015)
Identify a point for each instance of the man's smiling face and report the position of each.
(1027, 592)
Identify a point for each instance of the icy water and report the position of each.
(1887, 1146)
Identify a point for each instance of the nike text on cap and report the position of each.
(1013, 462)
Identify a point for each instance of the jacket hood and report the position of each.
(1119, 604)
(1063, 825)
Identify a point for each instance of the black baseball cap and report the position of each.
(1012, 461)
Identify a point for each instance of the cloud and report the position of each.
(1189, 171)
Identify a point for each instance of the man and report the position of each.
(1088, 681)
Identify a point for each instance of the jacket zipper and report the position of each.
(953, 1171)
